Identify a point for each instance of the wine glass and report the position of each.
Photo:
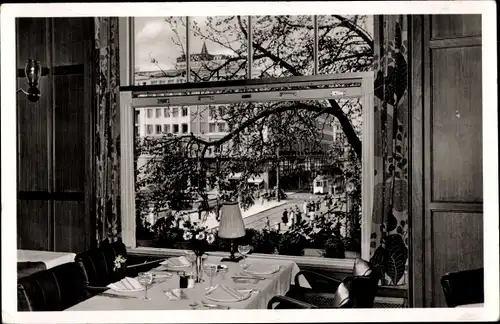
(211, 271)
(191, 257)
(145, 279)
(244, 249)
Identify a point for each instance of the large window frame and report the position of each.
(130, 98)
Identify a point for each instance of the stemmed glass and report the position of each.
(211, 271)
(244, 249)
(145, 279)
(191, 257)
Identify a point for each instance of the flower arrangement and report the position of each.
(200, 237)
(119, 261)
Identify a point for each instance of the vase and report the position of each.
(198, 271)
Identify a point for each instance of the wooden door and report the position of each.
(447, 195)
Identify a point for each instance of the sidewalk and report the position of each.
(212, 222)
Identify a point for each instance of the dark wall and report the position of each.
(54, 174)
(447, 180)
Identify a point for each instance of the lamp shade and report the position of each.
(231, 224)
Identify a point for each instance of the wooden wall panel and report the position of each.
(451, 26)
(69, 223)
(32, 144)
(31, 40)
(446, 184)
(33, 231)
(457, 239)
(69, 142)
(70, 40)
(456, 124)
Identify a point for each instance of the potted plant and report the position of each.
(334, 248)
(292, 242)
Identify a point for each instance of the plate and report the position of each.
(165, 275)
(272, 270)
(246, 294)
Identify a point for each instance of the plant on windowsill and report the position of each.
(292, 242)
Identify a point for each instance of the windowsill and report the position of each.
(340, 265)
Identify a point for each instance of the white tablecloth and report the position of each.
(275, 284)
(471, 305)
(51, 259)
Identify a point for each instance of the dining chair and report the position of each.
(342, 298)
(463, 287)
(54, 289)
(362, 284)
(98, 265)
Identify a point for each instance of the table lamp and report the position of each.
(231, 226)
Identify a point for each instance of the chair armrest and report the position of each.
(288, 301)
(316, 276)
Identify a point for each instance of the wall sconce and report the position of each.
(32, 72)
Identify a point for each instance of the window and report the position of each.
(154, 82)
(158, 112)
(136, 117)
(149, 129)
(166, 129)
(262, 67)
(137, 131)
(150, 113)
(175, 112)
(184, 111)
(158, 129)
(184, 128)
(166, 112)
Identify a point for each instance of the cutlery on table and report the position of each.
(106, 294)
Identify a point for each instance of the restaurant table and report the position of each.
(470, 305)
(274, 284)
(49, 258)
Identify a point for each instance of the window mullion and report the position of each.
(315, 46)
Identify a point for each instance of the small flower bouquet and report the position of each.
(200, 237)
(119, 261)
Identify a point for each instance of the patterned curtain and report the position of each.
(107, 140)
(389, 237)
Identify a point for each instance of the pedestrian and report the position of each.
(284, 218)
(298, 217)
(306, 207)
(268, 223)
(291, 217)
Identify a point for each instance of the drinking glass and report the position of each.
(244, 249)
(191, 257)
(145, 279)
(211, 271)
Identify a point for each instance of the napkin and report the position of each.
(262, 269)
(226, 293)
(177, 262)
(175, 294)
(126, 284)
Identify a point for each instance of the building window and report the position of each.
(136, 118)
(211, 128)
(222, 127)
(175, 128)
(166, 112)
(154, 82)
(158, 129)
(150, 113)
(175, 112)
(137, 131)
(149, 129)
(166, 128)
(184, 128)
(184, 111)
(158, 112)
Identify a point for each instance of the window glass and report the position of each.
(184, 111)
(295, 143)
(283, 46)
(218, 48)
(150, 113)
(158, 129)
(166, 129)
(149, 129)
(166, 112)
(175, 112)
(158, 112)
(160, 48)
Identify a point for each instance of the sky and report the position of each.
(153, 38)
